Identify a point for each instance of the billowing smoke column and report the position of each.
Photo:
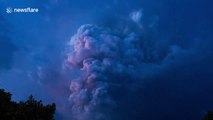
(107, 61)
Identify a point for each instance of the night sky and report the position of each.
(110, 59)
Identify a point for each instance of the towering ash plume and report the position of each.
(108, 61)
(103, 65)
(105, 68)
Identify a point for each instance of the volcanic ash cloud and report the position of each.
(107, 60)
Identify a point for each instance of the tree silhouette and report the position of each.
(209, 116)
(28, 110)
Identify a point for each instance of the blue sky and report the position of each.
(174, 79)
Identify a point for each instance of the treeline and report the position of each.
(24, 110)
(209, 116)
(35, 110)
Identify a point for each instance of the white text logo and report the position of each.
(22, 10)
